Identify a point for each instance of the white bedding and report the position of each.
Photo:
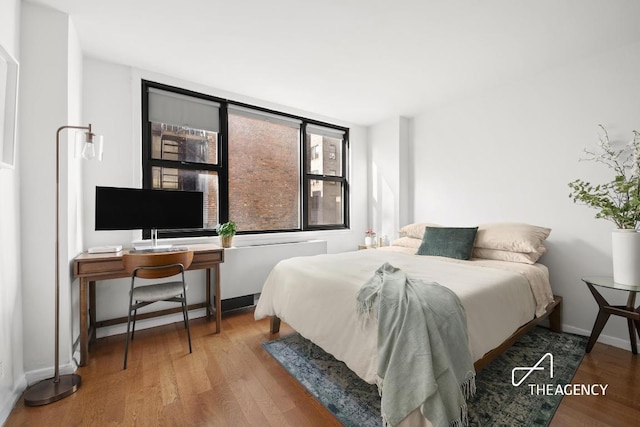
(316, 296)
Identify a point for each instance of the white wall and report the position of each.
(12, 379)
(112, 103)
(72, 181)
(389, 175)
(508, 154)
(52, 99)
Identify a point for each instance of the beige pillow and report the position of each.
(416, 230)
(407, 242)
(513, 237)
(497, 254)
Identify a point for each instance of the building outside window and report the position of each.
(264, 170)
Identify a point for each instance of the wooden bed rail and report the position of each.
(553, 312)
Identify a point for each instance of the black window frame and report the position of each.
(221, 168)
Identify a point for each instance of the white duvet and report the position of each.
(316, 296)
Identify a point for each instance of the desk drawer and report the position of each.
(100, 268)
(207, 258)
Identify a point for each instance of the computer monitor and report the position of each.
(135, 208)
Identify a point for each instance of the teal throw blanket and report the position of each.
(423, 348)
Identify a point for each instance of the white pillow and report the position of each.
(497, 254)
(407, 242)
(513, 237)
(416, 230)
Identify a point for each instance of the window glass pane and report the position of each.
(325, 202)
(324, 154)
(170, 142)
(264, 173)
(191, 180)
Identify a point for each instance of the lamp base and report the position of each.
(48, 391)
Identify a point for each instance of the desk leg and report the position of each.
(208, 293)
(84, 327)
(218, 299)
(92, 312)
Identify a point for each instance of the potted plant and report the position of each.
(369, 237)
(226, 232)
(617, 201)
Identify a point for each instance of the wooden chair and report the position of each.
(156, 266)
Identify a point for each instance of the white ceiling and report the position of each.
(355, 60)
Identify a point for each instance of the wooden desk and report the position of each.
(91, 267)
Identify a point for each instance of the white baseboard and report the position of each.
(605, 339)
(36, 375)
(7, 405)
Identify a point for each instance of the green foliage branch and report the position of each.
(619, 199)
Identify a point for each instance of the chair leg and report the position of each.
(126, 348)
(186, 316)
(135, 315)
(184, 313)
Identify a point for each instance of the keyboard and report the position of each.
(159, 250)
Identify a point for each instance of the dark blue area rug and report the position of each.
(496, 403)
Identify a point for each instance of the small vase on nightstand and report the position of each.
(368, 240)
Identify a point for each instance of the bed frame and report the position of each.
(553, 312)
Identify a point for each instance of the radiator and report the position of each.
(245, 268)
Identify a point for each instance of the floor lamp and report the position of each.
(61, 386)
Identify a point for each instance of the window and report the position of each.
(326, 183)
(265, 170)
(182, 149)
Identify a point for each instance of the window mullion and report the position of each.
(345, 174)
(305, 179)
(223, 150)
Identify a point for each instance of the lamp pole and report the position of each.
(60, 386)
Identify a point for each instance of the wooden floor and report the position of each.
(229, 380)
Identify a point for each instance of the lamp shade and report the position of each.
(92, 150)
(89, 146)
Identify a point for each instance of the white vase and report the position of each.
(626, 256)
(368, 240)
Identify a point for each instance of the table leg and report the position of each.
(632, 336)
(218, 299)
(208, 292)
(631, 301)
(84, 328)
(637, 321)
(601, 320)
(92, 312)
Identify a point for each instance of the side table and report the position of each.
(366, 247)
(605, 309)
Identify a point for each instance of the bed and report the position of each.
(316, 296)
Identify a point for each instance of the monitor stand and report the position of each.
(154, 243)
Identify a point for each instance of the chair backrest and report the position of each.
(157, 261)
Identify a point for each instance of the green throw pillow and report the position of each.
(450, 242)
